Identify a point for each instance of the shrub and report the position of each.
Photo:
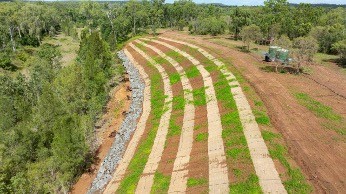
(250, 34)
(210, 25)
(340, 48)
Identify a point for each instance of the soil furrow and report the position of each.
(198, 165)
(146, 181)
(265, 169)
(218, 173)
(180, 172)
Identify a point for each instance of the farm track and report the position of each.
(218, 176)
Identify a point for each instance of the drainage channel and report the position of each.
(125, 131)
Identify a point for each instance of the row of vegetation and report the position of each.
(27, 24)
(48, 112)
(48, 118)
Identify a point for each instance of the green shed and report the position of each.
(273, 51)
(283, 55)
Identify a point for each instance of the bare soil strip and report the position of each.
(123, 164)
(179, 175)
(218, 172)
(146, 181)
(265, 169)
(199, 162)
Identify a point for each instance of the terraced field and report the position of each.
(197, 133)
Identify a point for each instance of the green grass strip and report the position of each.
(334, 120)
(176, 56)
(199, 97)
(235, 142)
(319, 109)
(261, 117)
(174, 78)
(202, 137)
(161, 183)
(138, 162)
(236, 147)
(250, 185)
(192, 72)
(192, 182)
(296, 182)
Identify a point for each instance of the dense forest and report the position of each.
(48, 112)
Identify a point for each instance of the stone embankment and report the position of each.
(124, 133)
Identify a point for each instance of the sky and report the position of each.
(260, 2)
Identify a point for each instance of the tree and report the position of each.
(284, 42)
(209, 25)
(239, 18)
(250, 34)
(133, 6)
(304, 49)
(156, 14)
(340, 47)
(328, 35)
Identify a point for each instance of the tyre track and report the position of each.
(179, 175)
(265, 169)
(146, 180)
(218, 172)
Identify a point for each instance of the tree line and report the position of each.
(118, 21)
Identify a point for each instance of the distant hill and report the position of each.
(216, 4)
(322, 5)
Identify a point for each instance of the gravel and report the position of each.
(125, 131)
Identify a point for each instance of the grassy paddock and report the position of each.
(333, 120)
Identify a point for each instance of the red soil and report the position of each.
(315, 149)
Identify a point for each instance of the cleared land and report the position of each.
(316, 143)
(266, 132)
(224, 132)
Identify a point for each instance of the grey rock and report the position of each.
(126, 129)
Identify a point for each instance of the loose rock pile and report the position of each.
(126, 129)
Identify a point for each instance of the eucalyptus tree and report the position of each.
(132, 8)
(9, 23)
(156, 14)
(340, 48)
(250, 34)
(239, 18)
(304, 49)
